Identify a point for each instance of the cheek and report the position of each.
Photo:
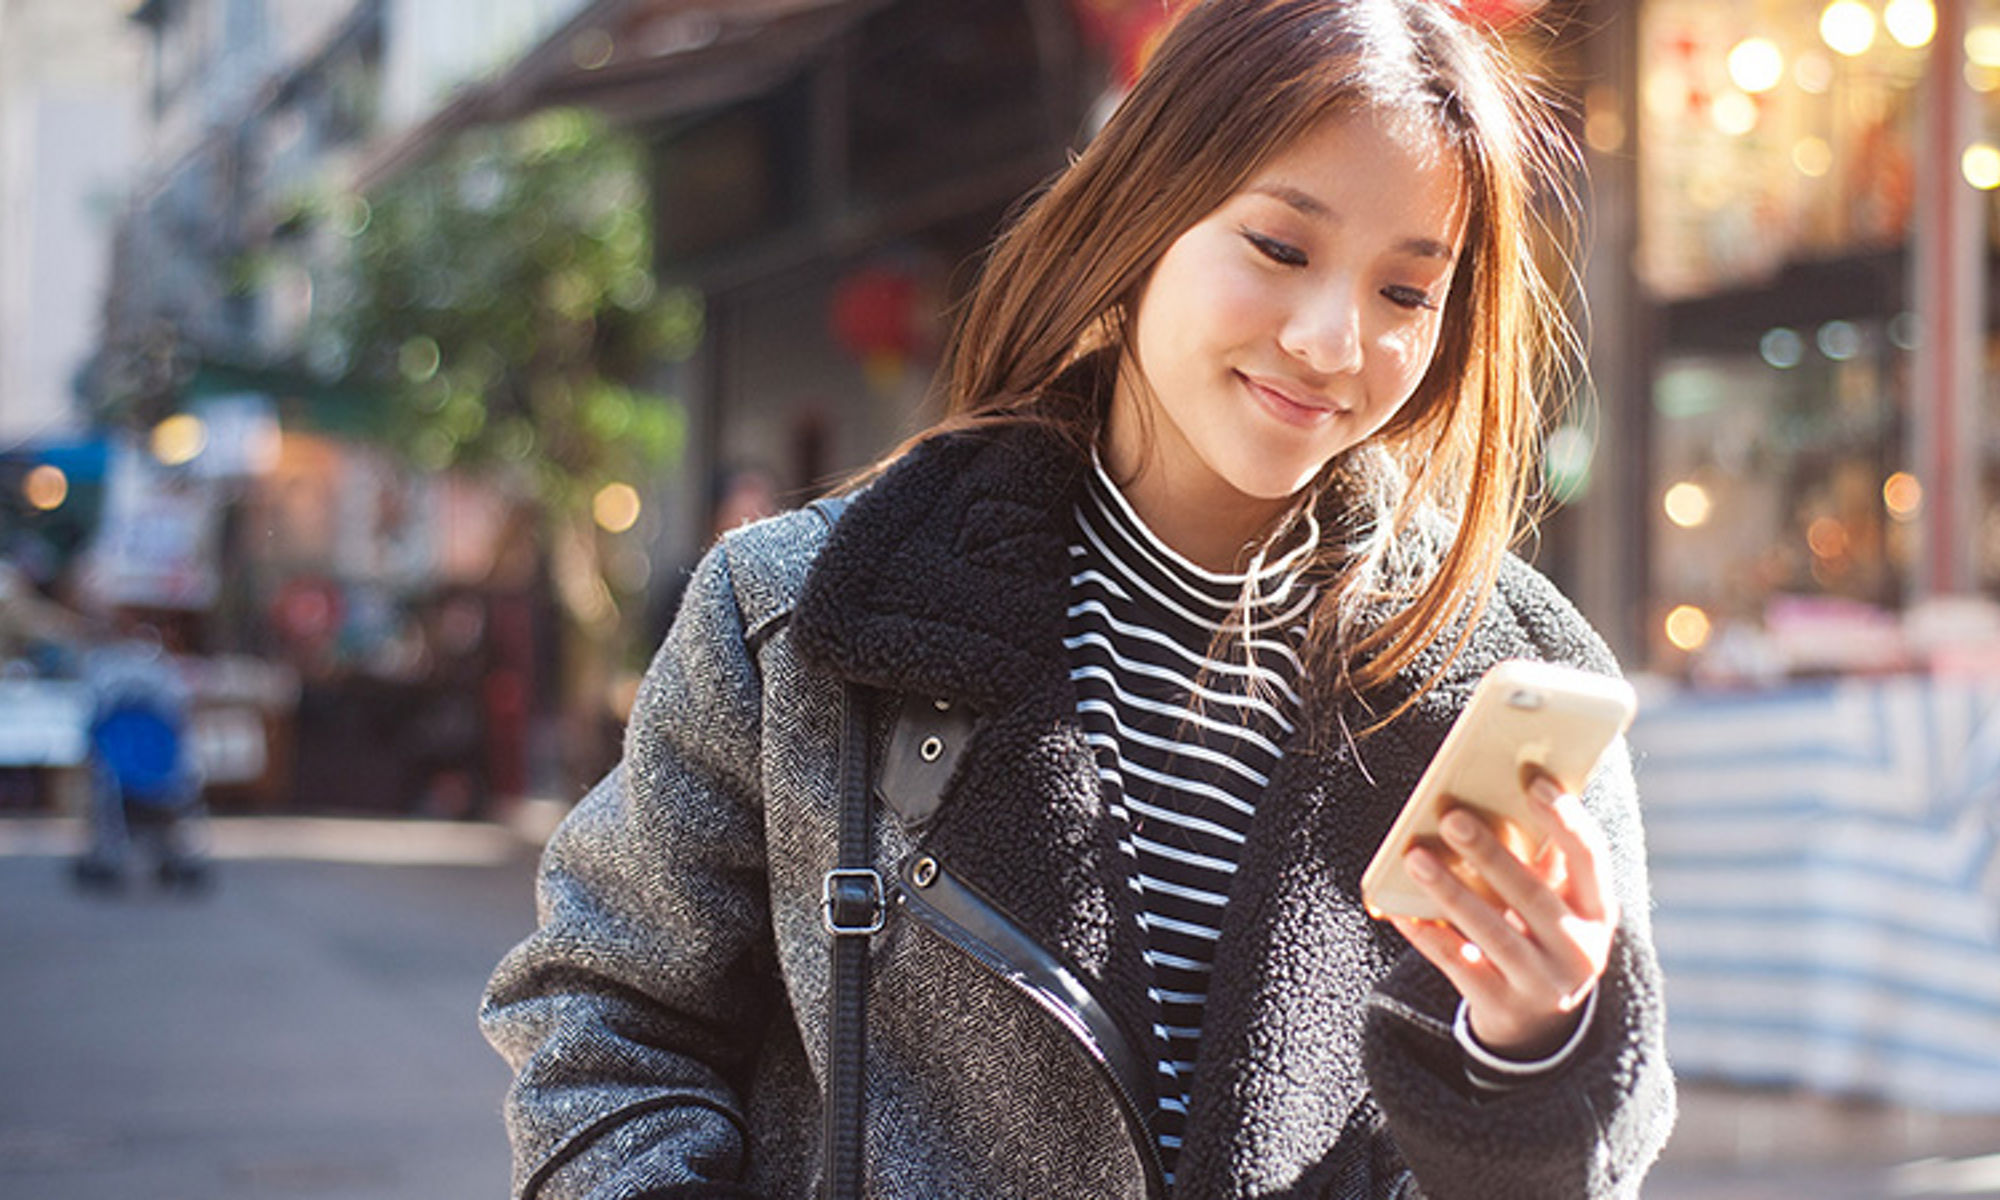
(1403, 355)
(1206, 296)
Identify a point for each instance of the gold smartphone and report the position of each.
(1524, 717)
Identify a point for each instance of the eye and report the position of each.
(1409, 297)
(1283, 253)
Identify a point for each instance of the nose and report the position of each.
(1323, 331)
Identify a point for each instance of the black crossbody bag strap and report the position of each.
(854, 907)
(923, 750)
(924, 747)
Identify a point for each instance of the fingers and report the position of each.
(1502, 1018)
(1528, 952)
(1516, 993)
(1460, 961)
(1586, 853)
(1517, 885)
(1547, 927)
(1516, 950)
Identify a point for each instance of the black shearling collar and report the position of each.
(948, 575)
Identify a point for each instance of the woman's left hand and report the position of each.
(1525, 965)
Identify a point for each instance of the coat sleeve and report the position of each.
(631, 1013)
(1592, 1128)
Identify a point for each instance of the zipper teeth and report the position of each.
(977, 951)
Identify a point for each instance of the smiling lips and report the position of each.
(1291, 405)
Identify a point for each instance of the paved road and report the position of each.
(306, 1030)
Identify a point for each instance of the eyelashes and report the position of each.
(1282, 253)
(1408, 297)
(1287, 255)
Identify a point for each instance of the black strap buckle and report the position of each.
(851, 902)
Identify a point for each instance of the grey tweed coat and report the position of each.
(666, 1020)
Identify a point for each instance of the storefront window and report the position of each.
(1787, 151)
(1780, 497)
(1773, 132)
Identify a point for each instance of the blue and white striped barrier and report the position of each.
(1826, 873)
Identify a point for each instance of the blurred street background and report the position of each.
(372, 371)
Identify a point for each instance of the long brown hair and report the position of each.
(1425, 509)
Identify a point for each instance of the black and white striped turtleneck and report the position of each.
(1187, 730)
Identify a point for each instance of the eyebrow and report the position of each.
(1306, 204)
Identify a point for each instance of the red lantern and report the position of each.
(874, 313)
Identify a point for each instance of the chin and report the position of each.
(1269, 491)
(1269, 485)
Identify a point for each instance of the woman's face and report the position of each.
(1289, 324)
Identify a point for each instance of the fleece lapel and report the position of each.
(949, 577)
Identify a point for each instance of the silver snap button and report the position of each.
(925, 872)
(941, 704)
(931, 750)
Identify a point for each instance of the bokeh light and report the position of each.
(1839, 340)
(616, 507)
(1903, 496)
(1603, 118)
(45, 488)
(179, 439)
(1687, 504)
(1980, 165)
(1847, 27)
(1813, 72)
(1812, 156)
(419, 358)
(1782, 348)
(593, 49)
(1982, 46)
(1827, 538)
(1687, 627)
(1756, 64)
(1733, 113)
(1911, 23)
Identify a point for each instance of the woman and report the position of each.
(1178, 605)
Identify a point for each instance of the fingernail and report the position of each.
(1460, 827)
(1422, 865)
(1546, 791)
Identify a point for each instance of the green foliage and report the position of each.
(503, 293)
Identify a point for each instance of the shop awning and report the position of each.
(640, 60)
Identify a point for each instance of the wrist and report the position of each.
(1522, 1041)
(1532, 1056)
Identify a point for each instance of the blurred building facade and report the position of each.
(1798, 298)
(822, 172)
(68, 129)
(1792, 446)
(816, 171)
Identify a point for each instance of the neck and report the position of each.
(1215, 532)
(1199, 517)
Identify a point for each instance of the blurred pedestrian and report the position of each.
(998, 832)
(145, 783)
